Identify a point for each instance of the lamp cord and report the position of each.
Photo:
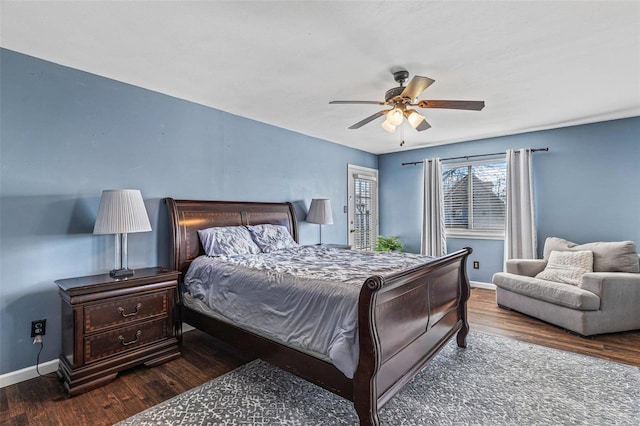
(38, 362)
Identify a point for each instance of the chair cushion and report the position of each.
(618, 256)
(567, 266)
(561, 294)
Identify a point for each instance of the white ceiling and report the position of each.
(536, 64)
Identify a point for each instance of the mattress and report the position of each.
(304, 297)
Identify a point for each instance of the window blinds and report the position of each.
(475, 196)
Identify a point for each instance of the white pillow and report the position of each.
(272, 237)
(227, 241)
(567, 266)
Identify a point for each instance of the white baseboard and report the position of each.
(480, 284)
(28, 373)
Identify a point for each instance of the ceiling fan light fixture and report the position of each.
(395, 117)
(413, 118)
(388, 126)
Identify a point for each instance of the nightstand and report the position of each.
(109, 325)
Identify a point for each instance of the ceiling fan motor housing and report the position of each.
(392, 93)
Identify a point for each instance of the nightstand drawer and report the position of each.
(123, 310)
(123, 339)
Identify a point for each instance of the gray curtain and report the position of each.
(434, 239)
(520, 225)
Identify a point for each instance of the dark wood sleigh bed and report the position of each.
(403, 319)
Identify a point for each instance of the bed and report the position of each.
(403, 319)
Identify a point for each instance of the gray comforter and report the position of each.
(305, 297)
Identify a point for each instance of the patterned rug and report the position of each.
(495, 381)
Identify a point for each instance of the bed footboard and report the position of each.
(404, 320)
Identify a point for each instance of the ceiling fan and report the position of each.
(402, 97)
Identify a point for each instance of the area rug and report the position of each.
(495, 381)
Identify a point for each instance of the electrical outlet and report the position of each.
(38, 328)
(476, 264)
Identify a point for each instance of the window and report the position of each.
(475, 198)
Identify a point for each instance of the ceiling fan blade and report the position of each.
(469, 105)
(368, 119)
(416, 86)
(358, 102)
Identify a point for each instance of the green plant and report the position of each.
(389, 244)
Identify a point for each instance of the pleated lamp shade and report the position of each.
(320, 212)
(121, 211)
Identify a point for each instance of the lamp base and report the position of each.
(121, 273)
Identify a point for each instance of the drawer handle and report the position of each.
(123, 343)
(121, 310)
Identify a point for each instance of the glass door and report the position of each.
(363, 207)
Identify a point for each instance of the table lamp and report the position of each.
(121, 212)
(320, 213)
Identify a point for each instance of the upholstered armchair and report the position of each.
(589, 289)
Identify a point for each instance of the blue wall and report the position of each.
(66, 135)
(587, 187)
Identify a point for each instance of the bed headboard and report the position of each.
(186, 217)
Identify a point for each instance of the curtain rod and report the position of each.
(466, 157)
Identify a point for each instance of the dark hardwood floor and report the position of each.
(42, 401)
(487, 317)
